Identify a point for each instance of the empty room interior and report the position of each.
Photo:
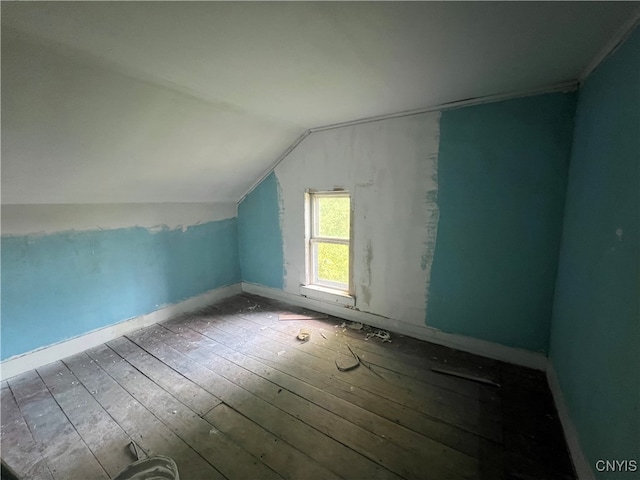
(320, 240)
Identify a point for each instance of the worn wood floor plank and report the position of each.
(372, 446)
(529, 416)
(419, 381)
(466, 413)
(395, 442)
(431, 428)
(235, 375)
(53, 432)
(334, 338)
(460, 411)
(323, 449)
(421, 354)
(19, 450)
(283, 458)
(104, 437)
(192, 395)
(315, 389)
(280, 456)
(360, 440)
(140, 424)
(230, 459)
(480, 414)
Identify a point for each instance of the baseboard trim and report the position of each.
(580, 462)
(23, 363)
(483, 348)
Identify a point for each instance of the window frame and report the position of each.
(313, 238)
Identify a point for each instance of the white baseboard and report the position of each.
(22, 363)
(484, 348)
(580, 462)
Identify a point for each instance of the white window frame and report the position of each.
(312, 236)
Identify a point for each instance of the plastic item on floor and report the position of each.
(156, 467)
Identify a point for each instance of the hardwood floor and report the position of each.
(229, 392)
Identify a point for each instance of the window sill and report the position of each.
(329, 295)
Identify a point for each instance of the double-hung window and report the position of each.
(329, 239)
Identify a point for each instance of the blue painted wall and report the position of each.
(502, 173)
(595, 336)
(260, 237)
(58, 286)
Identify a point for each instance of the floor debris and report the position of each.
(304, 335)
(358, 362)
(133, 450)
(370, 331)
(349, 367)
(149, 468)
(249, 308)
(355, 326)
(281, 352)
(382, 334)
(366, 365)
(466, 376)
(351, 326)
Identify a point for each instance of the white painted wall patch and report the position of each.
(390, 169)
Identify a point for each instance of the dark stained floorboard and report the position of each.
(341, 387)
(391, 431)
(374, 446)
(445, 405)
(255, 404)
(229, 392)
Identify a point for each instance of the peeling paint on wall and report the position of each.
(433, 216)
(366, 280)
(45, 219)
(390, 168)
(61, 285)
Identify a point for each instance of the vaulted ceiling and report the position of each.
(109, 102)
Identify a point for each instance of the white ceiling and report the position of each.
(192, 101)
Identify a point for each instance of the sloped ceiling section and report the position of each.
(192, 101)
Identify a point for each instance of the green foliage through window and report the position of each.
(333, 217)
(333, 262)
(332, 221)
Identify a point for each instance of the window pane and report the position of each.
(332, 263)
(333, 217)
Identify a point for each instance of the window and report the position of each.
(329, 236)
